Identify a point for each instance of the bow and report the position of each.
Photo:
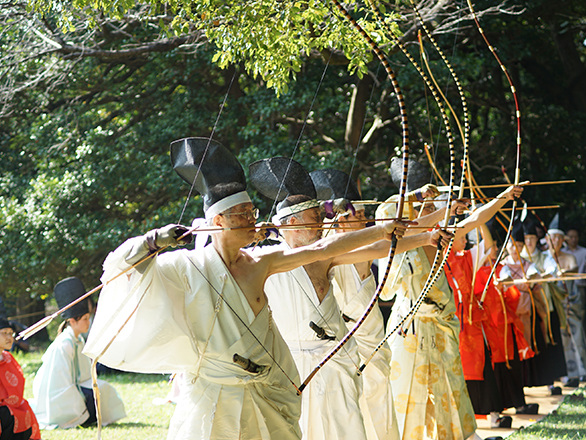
(466, 162)
(518, 141)
(438, 262)
(465, 134)
(403, 189)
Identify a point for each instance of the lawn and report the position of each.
(144, 420)
(567, 422)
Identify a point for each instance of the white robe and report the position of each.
(192, 317)
(58, 399)
(573, 337)
(353, 296)
(330, 404)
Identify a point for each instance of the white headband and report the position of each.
(294, 209)
(227, 203)
(556, 231)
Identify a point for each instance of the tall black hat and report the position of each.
(556, 226)
(220, 177)
(517, 233)
(280, 177)
(334, 184)
(4, 323)
(531, 225)
(417, 174)
(68, 290)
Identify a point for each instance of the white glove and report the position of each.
(153, 241)
(169, 236)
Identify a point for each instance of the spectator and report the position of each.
(62, 386)
(18, 422)
(572, 240)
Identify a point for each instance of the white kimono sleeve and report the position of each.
(141, 324)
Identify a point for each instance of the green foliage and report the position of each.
(85, 128)
(271, 38)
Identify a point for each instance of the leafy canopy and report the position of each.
(271, 37)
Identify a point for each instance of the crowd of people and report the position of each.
(257, 334)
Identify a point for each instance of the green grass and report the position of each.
(567, 422)
(144, 421)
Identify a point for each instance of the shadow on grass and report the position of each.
(133, 425)
(130, 378)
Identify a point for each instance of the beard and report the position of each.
(309, 237)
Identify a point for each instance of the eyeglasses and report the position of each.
(8, 334)
(252, 214)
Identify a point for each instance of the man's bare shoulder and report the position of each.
(258, 252)
(261, 261)
(568, 260)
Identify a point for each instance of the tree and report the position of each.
(89, 103)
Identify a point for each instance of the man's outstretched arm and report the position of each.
(280, 260)
(485, 213)
(381, 248)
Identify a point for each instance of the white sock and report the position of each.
(494, 415)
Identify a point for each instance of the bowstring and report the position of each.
(207, 147)
(326, 322)
(454, 47)
(183, 212)
(300, 136)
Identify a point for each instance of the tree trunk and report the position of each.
(357, 112)
(565, 41)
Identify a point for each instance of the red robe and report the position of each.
(502, 322)
(11, 396)
(471, 339)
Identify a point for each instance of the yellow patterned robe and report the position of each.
(430, 394)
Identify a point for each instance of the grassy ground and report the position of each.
(144, 420)
(567, 422)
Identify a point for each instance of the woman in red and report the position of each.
(504, 333)
(17, 420)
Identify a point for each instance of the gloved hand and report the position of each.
(154, 240)
(169, 236)
(458, 207)
(337, 207)
(427, 191)
(264, 231)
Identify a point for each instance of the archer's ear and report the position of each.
(218, 220)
